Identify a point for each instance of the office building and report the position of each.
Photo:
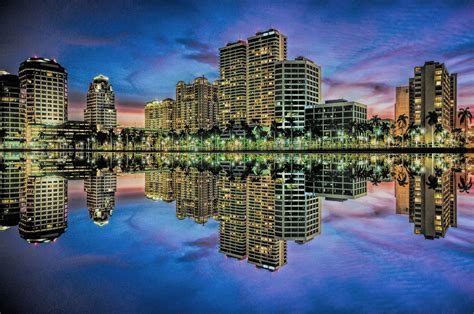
(45, 84)
(297, 86)
(264, 50)
(12, 191)
(232, 83)
(196, 105)
(335, 118)
(12, 112)
(159, 115)
(100, 112)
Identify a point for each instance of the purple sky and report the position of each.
(365, 48)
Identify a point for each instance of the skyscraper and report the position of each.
(12, 191)
(100, 189)
(232, 83)
(433, 89)
(297, 212)
(159, 114)
(263, 248)
(232, 209)
(45, 84)
(264, 50)
(12, 111)
(297, 86)
(402, 103)
(196, 105)
(159, 185)
(100, 112)
(45, 216)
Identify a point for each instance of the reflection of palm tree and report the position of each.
(432, 182)
(402, 179)
(464, 186)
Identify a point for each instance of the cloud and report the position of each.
(198, 51)
(94, 41)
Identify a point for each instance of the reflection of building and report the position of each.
(336, 182)
(100, 112)
(196, 105)
(402, 191)
(433, 207)
(433, 89)
(45, 215)
(12, 189)
(263, 248)
(297, 85)
(100, 189)
(196, 195)
(45, 83)
(159, 185)
(159, 114)
(335, 117)
(12, 111)
(297, 212)
(232, 209)
(232, 83)
(264, 50)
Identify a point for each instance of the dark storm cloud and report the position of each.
(199, 51)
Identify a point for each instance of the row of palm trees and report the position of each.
(374, 132)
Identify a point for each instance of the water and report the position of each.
(233, 233)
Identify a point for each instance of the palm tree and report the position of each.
(464, 115)
(432, 118)
(402, 121)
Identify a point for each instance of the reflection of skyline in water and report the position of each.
(260, 203)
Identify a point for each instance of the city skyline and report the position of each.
(363, 52)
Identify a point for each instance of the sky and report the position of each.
(365, 48)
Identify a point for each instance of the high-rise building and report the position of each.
(232, 83)
(12, 112)
(263, 248)
(45, 216)
(264, 50)
(297, 212)
(45, 84)
(336, 117)
(196, 105)
(12, 191)
(402, 103)
(196, 195)
(100, 189)
(232, 209)
(100, 112)
(159, 185)
(297, 86)
(433, 89)
(159, 114)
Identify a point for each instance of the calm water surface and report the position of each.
(215, 233)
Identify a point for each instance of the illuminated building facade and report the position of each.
(159, 115)
(232, 83)
(12, 112)
(336, 117)
(12, 191)
(159, 185)
(100, 112)
(45, 215)
(232, 209)
(263, 248)
(196, 195)
(297, 212)
(45, 84)
(433, 89)
(297, 86)
(196, 105)
(264, 50)
(402, 103)
(100, 189)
